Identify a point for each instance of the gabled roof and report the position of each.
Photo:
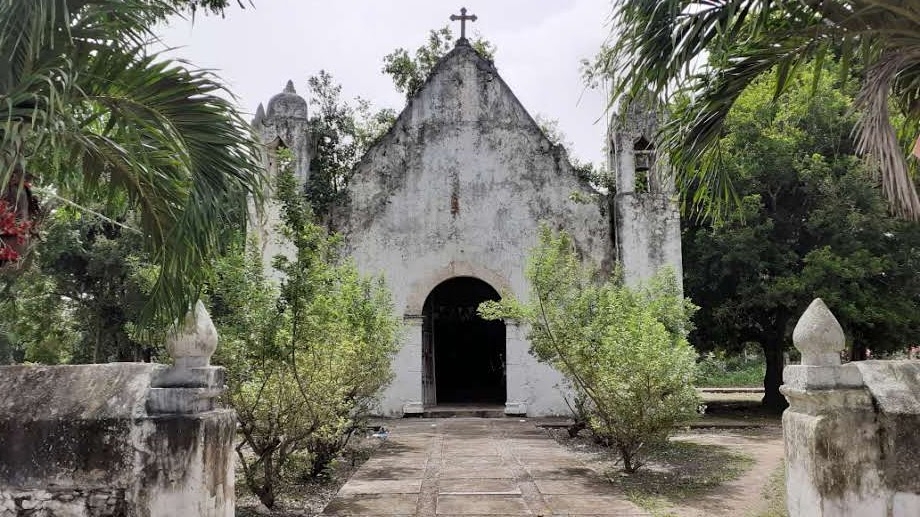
(463, 51)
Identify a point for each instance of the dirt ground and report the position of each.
(708, 472)
(744, 496)
(308, 498)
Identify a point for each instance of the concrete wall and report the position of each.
(851, 431)
(97, 440)
(647, 221)
(648, 235)
(459, 187)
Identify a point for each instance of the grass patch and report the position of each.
(775, 494)
(655, 505)
(718, 370)
(680, 471)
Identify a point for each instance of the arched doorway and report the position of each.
(463, 355)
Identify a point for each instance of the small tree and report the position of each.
(342, 131)
(305, 358)
(409, 74)
(623, 350)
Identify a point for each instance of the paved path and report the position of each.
(469, 466)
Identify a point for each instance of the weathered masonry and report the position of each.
(447, 205)
(852, 447)
(120, 439)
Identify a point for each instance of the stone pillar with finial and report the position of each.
(193, 431)
(191, 384)
(829, 429)
(120, 438)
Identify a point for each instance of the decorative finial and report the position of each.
(260, 115)
(463, 18)
(819, 336)
(289, 88)
(193, 340)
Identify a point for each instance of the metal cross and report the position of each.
(463, 18)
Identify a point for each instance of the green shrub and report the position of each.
(306, 357)
(623, 350)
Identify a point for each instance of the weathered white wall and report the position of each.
(647, 222)
(648, 236)
(459, 187)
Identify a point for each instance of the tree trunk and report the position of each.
(858, 352)
(628, 458)
(266, 491)
(773, 376)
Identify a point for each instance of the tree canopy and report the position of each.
(623, 351)
(342, 132)
(812, 223)
(306, 356)
(211, 6)
(711, 52)
(409, 73)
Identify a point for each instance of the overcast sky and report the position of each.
(540, 45)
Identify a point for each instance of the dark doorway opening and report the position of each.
(463, 354)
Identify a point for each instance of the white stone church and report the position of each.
(447, 205)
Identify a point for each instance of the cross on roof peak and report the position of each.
(463, 18)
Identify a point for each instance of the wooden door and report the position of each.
(429, 391)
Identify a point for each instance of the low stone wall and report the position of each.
(119, 440)
(69, 502)
(852, 432)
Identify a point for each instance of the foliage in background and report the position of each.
(623, 350)
(410, 73)
(210, 6)
(341, 134)
(36, 324)
(720, 369)
(812, 222)
(306, 358)
(712, 52)
(79, 297)
(103, 272)
(87, 112)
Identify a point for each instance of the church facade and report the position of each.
(448, 204)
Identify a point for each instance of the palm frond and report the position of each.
(709, 51)
(878, 139)
(88, 109)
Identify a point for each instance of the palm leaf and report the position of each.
(90, 110)
(711, 50)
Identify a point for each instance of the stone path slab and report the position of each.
(472, 466)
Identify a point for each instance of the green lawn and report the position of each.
(718, 370)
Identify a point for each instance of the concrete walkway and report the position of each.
(470, 466)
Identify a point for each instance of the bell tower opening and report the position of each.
(463, 355)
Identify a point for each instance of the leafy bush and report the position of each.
(623, 350)
(305, 358)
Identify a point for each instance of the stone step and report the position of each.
(464, 411)
(730, 390)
